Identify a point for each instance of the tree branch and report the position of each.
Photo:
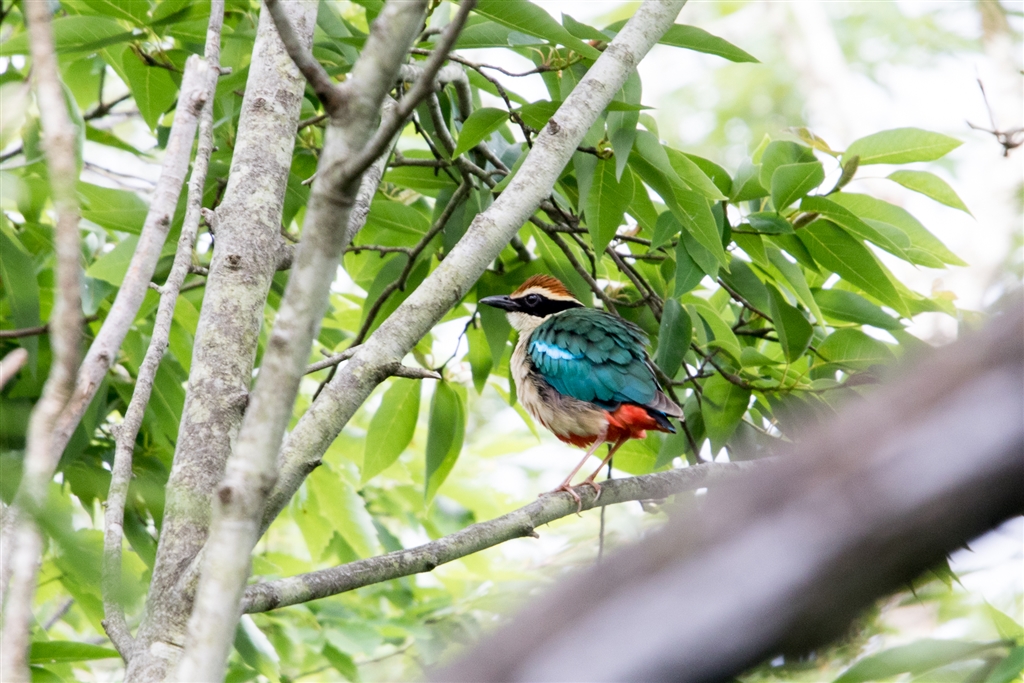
(245, 259)
(129, 297)
(251, 470)
(490, 231)
(859, 507)
(11, 364)
(520, 523)
(326, 90)
(206, 71)
(65, 335)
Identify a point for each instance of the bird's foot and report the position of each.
(594, 485)
(568, 489)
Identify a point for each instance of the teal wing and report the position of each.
(593, 356)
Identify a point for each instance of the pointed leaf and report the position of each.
(1009, 668)
(839, 252)
(392, 426)
(688, 273)
(699, 40)
(673, 337)
(792, 181)
(790, 324)
(855, 350)
(345, 509)
(722, 406)
(916, 658)
(782, 153)
(694, 212)
(152, 87)
(840, 215)
(930, 185)
(850, 307)
(444, 441)
(52, 651)
(478, 127)
(901, 146)
(479, 356)
(534, 21)
(693, 175)
(606, 203)
(119, 210)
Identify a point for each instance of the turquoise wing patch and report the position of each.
(593, 356)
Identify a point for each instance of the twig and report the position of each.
(438, 225)
(11, 364)
(330, 94)
(37, 330)
(66, 331)
(519, 523)
(577, 266)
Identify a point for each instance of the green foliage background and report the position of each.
(763, 284)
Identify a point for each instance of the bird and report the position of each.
(582, 372)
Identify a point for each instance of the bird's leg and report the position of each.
(589, 481)
(566, 485)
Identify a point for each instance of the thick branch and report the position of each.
(490, 231)
(862, 505)
(65, 335)
(325, 89)
(245, 259)
(206, 71)
(251, 470)
(476, 537)
(12, 363)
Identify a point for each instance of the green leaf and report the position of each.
(791, 273)
(641, 207)
(901, 146)
(1009, 668)
(790, 325)
(792, 181)
(345, 509)
(855, 350)
(673, 337)
(391, 427)
(394, 224)
(532, 20)
(133, 10)
(836, 250)
(719, 176)
(478, 128)
(622, 124)
(693, 175)
(1007, 627)
(782, 153)
(21, 289)
(73, 34)
(105, 137)
(152, 87)
(916, 658)
(493, 320)
(853, 308)
(581, 30)
(694, 212)
(743, 281)
(341, 662)
(50, 651)
(930, 185)
(112, 266)
(479, 356)
(747, 184)
(722, 406)
(699, 40)
(606, 203)
(688, 273)
(119, 210)
(426, 181)
(924, 248)
(444, 440)
(666, 227)
(256, 649)
(652, 151)
(724, 337)
(769, 223)
(845, 218)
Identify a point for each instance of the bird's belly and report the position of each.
(571, 420)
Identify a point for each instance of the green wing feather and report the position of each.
(593, 356)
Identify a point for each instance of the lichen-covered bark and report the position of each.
(245, 258)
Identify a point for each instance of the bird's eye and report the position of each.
(532, 300)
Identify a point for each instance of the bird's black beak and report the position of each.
(503, 302)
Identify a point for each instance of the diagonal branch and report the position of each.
(329, 93)
(519, 523)
(205, 72)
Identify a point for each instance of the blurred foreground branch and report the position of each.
(782, 562)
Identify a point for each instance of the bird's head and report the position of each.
(540, 297)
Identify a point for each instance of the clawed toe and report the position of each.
(575, 496)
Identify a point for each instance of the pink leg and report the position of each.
(589, 481)
(565, 485)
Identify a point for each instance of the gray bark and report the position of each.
(781, 562)
(245, 258)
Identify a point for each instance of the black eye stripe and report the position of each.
(541, 306)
